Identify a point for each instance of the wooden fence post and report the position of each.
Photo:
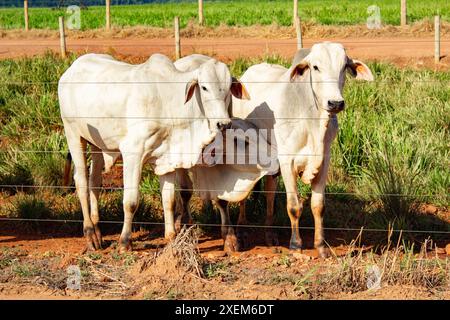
(295, 13)
(108, 14)
(437, 39)
(200, 12)
(177, 39)
(298, 31)
(403, 12)
(62, 37)
(25, 12)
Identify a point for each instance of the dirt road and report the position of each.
(415, 52)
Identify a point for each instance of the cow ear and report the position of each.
(238, 89)
(190, 89)
(359, 70)
(299, 70)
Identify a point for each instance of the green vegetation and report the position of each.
(391, 152)
(232, 13)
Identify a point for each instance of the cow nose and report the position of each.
(336, 105)
(223, 126)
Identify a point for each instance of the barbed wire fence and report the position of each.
(437, 43)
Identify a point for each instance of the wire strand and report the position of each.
(206, 82)
(18, 186)
(217, 154)
(227, 225)
(188, 43)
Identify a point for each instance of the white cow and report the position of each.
(300, 105)
(231, 180)
(150, 112)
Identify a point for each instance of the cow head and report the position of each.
(324, 67)
(214, 86)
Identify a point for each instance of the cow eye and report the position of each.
(316, 68)
(204, 88)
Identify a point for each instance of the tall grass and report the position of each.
(392, 150)
(231, 13)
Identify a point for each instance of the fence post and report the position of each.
(200, 12)
(437, 39)
(403, 20)
(295, 14)
(108, 14)
(177, 39)
(62, 37)
(25, 12)
(298, 31)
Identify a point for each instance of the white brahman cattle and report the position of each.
(234, 169)
(299, 105)
(150, 112)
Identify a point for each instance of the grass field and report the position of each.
(232, 13)
(393, 139)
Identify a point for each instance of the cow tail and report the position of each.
(67, 168)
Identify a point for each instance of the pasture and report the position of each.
(387, 212)
(231, 13)
(389, 171)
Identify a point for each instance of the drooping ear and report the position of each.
(190, 89)
(359, 70)
(238, 89)
(299, 70)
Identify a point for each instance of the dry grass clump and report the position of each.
(107, 278)
(169, 273)
(400, 266)
(181, 254)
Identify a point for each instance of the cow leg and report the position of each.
(294, 205)
(242, 232)
(230, 241)
(167, 183)
(317, 207)
(132, 169)
(270, 187)
(95, 182)
(186, 190)
(77, 147)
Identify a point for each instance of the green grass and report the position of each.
(232, 13)
(393, 139)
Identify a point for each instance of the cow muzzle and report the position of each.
(335, 106)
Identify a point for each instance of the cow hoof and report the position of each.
(323, 252)
(125, 247)
(92, 242)
(170, 236)
(271, 239)
(231, 243)
(295, 245)
(243, 239)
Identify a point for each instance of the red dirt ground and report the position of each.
(259, 273)
(414, 52)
